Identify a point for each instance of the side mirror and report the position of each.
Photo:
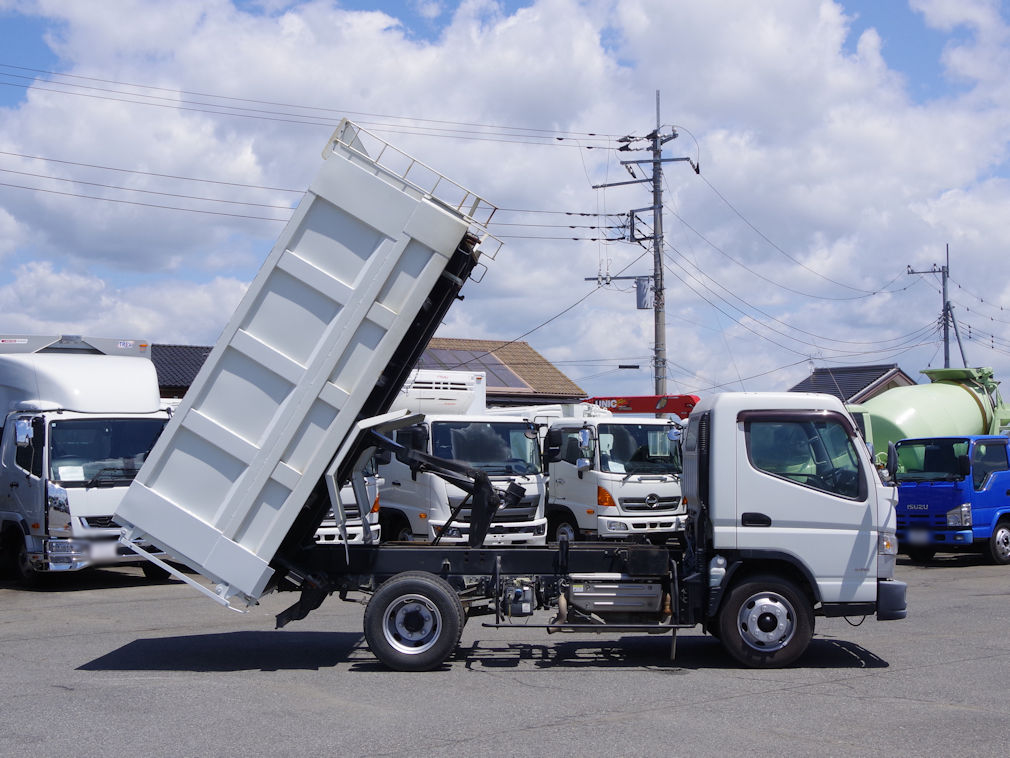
(552, 447)
(963, 465)
(382, 457)
(414, 438)
(892, 462)
(585, 437)
(23, 433)
(583, 465)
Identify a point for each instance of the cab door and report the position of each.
(991, 484)
(803, 493)
(23, 464)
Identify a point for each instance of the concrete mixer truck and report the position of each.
(953, 475)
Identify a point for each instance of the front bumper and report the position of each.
(509, 533)
(75, 554)
(935, 537)
(326, 535)
(622, 527)
(891, 603)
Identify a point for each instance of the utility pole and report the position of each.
(947, 312)
(656, 141)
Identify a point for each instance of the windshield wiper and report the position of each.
(127, 474)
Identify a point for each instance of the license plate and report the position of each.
(918, 537)
(103, 551)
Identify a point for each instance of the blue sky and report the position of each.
(829, 164)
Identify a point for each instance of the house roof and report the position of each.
(537, 377)
(516, 373)
(177, 366)
(854, 384)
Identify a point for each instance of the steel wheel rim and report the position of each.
(766, 621)
(566, 531)
(412, 624)
(1001, 540)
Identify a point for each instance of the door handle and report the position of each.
(396, 484)
(14, 484)
(755, 519)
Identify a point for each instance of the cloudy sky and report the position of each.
(150, 152)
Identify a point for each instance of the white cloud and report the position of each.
(814, 159)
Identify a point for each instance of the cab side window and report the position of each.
(29, 457)
(816, 454)
(987, 458)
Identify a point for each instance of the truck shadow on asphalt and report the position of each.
(232, 651)
(88, 579)
(279, 651)
(693, 653)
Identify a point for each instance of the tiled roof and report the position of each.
(850, 383)
(177, 365)
(535, 370)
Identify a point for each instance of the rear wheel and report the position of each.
(413, 621)
(766, 622)
(999, 544)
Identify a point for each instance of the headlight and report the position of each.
(960, 516)
(887, 544)
(617, 526)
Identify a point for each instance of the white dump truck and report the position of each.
(80, 416)
(420, 505)
(787, 517)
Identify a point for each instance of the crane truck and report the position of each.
(419, 505)
(292, 402)
(80, 415)
(953, 478)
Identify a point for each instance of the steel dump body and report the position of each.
(349, 296)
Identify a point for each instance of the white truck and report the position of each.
(420, 505)
(80, 416)
(609, 476)
(787, 517)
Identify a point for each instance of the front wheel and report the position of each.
(999, 544)
(413, 621)
(563, 527)
(766, 622)
(24, 572)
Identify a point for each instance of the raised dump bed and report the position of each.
(349, 296)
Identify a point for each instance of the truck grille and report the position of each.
(922, 520)
(100, 522)
(525, 510)
(645, 503)
(350, 511)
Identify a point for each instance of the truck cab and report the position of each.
(79, 424)
(614, 478)
(954, 495)
(417, 505)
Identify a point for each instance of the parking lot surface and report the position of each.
(107, 663)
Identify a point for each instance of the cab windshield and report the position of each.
(496, 447)
(629, 448)
(932, 460)
(100, 452)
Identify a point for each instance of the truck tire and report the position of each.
(395, 528)
(23, 571)
(766, 622)
(413, 622)
(562, 526)
(999, 544)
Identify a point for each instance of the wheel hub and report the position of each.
(412, 624)
(766, 621)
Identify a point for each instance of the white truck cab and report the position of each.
(81, 415)
(614, 477)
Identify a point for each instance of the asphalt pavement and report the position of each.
(106, 663)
